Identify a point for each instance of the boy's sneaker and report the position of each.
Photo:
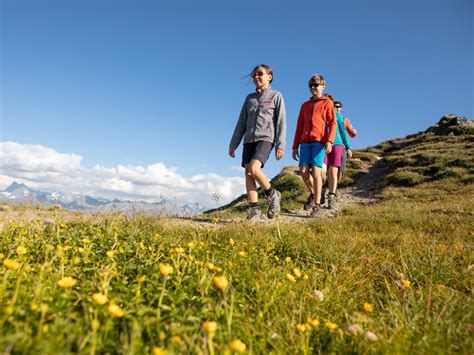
(273, 204)
(323, 196)
(309, 203)
(254, 213)
(317, 211)
(331, 201)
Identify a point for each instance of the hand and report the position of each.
(232, 152)
(355, 132)
(295, 154)
(328, 147)
(279, 154)
(349, 153)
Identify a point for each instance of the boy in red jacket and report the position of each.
(315, 132)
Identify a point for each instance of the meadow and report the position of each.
(394, 276)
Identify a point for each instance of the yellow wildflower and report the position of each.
(141, 279)
(162, 336)
(34, 307)
(210, 266)
(100, 298)
(242, 253)
(177, 339)
(67, 282)
(95, 324)
(115, 311)
(110, 254)
(166, 269)
(210, 327)
(368, 307)
(158, 351)
(191, 245)
(86, 240)
(21, 250)
(221, 282)
(237, 346)
(288, 259)
(11, 264)
(305, 277)
(76, 260)
(177, 250)
(403, 284)
(290, 277)
(301, 327)
(331, 325)
(297, 272)
(231, 242)
(313, 322)
(9, 310)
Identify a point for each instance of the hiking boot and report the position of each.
(309, 203)
(254, 213)
(273, 204)
(317, 211)
(323, 196)
(331, 201)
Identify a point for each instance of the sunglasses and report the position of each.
(338, 106)
(314, 85)
(259, 73)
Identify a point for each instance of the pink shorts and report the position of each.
(335, 157)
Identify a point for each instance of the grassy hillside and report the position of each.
(391, 277)
(442, 151)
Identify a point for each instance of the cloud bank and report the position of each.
(44, 168)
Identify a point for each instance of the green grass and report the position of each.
(356, 258)
(410, 256)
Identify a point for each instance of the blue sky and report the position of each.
(136, 83)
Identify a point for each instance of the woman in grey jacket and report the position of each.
(262, 125)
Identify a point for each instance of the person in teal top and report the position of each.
(342, 137)
(333, 160)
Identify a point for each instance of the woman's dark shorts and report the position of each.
(258, 151)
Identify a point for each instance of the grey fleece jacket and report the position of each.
(263, 118)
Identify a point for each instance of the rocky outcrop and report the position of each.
(452, 125)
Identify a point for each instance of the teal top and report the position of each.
(341, 134)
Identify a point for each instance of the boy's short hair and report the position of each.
(318, 79)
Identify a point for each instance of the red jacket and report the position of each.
(316, 122)
(349, 127)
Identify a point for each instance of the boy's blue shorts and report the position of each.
(312, 154)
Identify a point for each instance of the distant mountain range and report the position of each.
(21, 194)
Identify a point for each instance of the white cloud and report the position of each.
(237, 168)
(44, 168)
